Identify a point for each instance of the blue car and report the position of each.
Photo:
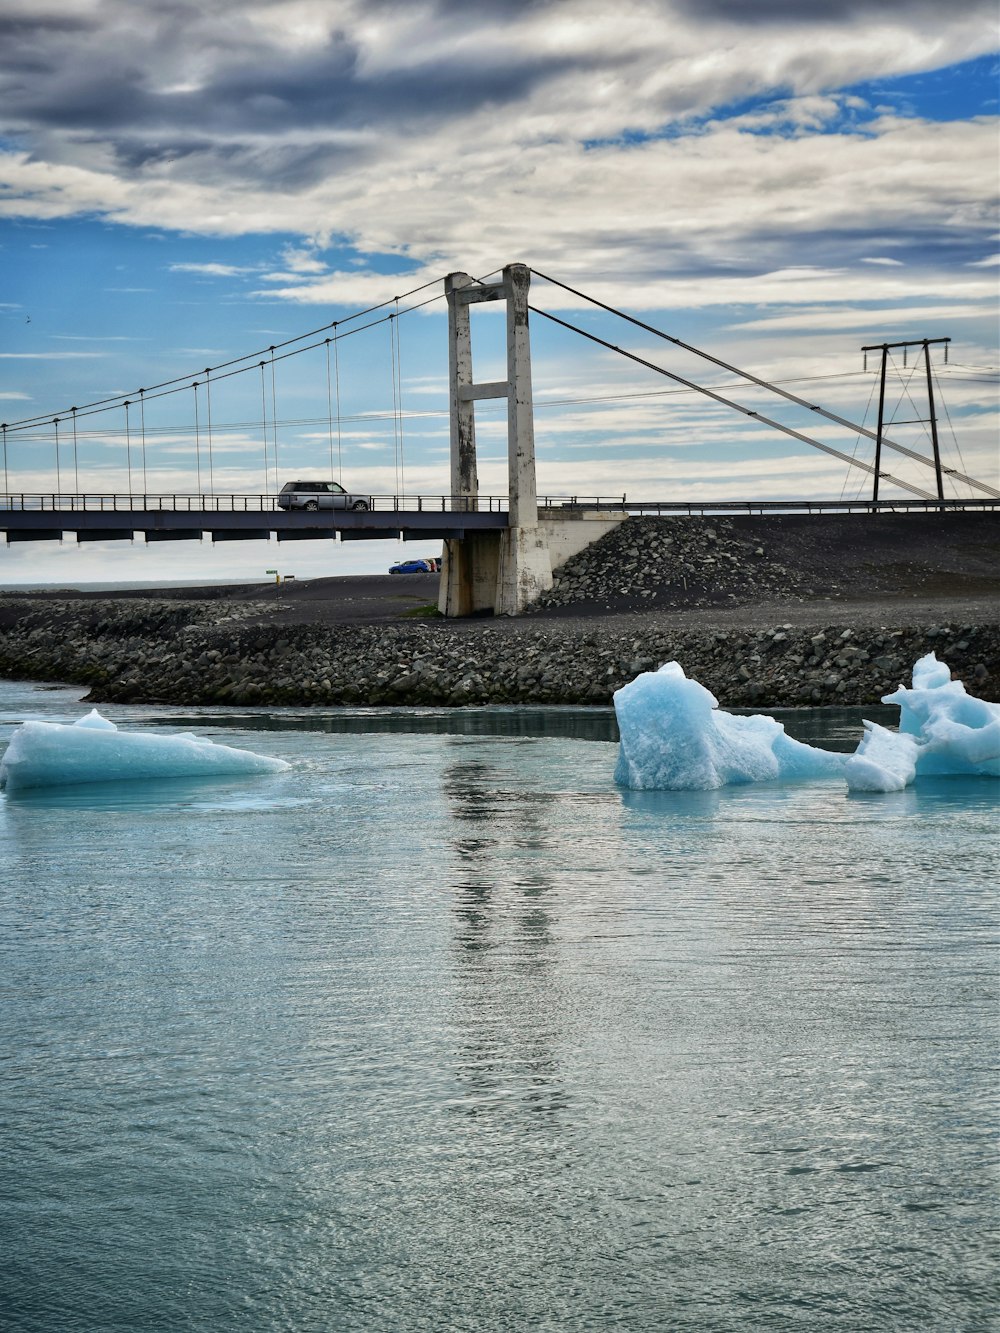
(415, 567)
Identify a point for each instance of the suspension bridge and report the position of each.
(500, 549)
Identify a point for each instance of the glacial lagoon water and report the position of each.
(440, 1030)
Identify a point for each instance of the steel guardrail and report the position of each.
(124, 503)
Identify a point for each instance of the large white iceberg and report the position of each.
(46, 754)
(675, 737)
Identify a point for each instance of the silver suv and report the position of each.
(318, 495)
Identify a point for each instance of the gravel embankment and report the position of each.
(764, 613)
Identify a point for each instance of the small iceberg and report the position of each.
(942, 730)
(49, 754)
(675, 737)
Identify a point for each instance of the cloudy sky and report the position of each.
(777, 181)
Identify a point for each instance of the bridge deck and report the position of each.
(36, 517)
(239, 517)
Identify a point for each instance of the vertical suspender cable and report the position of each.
(263, 418)
(274, 420)
(395, 440)
(76, 461)
(336, 385)
(208, 409)
(395, 408)
(329, 406)
(128, 446)
(197, 435)
(954, 437)
(142, 427)
(6, 483)
(399, 399)
(854, 451)
(55, 422)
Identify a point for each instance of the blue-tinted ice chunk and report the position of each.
(884, 760)
(958, 732)
(942, 729)
(48, 754)
(674, 737)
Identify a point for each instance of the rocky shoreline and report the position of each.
(154, 651)
(608, 618)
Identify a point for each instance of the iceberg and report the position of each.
(675, 737)
(942, 730)
(44, 754)
(884, 760)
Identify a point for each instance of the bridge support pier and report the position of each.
(518, 567)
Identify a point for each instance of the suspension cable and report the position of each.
(764, 384)
(181, 382)
(728, 402)
(109, 404)
(76, 464)
(6, 480)
(55, 422)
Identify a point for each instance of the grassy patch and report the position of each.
(428, 611)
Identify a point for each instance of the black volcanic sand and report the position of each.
(890, 564)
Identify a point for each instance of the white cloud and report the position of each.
(302, 260)
(584, 141)
(827, 318)
(211, 270)
(537, 169)
(50, 356)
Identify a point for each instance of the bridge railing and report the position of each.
(721, 508)
(176, 502)
(110, 502)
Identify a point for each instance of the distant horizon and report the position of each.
(125, 585)
(120, 585)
